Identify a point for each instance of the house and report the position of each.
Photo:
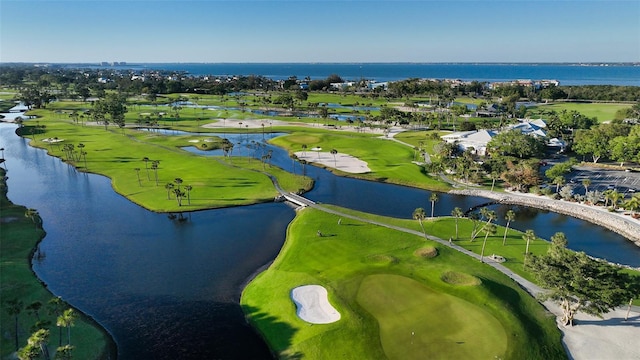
(476, 140)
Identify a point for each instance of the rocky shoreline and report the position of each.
(616, 222)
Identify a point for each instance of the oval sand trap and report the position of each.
(313, 305)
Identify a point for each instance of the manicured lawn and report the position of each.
(365, 268)
(388, 160)
(417, 322)
(602, 111)
(18, 239)
(215, 181)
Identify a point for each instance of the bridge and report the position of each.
(296, 199)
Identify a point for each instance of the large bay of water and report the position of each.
(567, 74)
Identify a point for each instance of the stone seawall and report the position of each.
(618, 223)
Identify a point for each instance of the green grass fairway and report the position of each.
(602, 111)
(406, 309)
(383, 291)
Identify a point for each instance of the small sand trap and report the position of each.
(194, 141)
(313, 305)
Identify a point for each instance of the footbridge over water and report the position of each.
(296, 199)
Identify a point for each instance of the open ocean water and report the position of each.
(567, 74)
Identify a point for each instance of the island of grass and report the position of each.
(18, 242)
(394, 302)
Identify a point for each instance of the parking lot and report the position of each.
(624, 182)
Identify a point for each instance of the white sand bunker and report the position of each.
(52, 140)
(313, 305)
(194, 141)
(340, 161)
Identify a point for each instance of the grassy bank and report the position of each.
(388, 160)
(18, 240)
(398, 298)
(120, 155)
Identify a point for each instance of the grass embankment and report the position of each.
(215, 181)
(394, 300)
(388, 160)
(18, 239)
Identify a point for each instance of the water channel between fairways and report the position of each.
(166, 288)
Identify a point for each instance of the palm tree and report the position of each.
(633, 203)
(178, 181)
(334, 152)
(56, 307)
(615, 198)
(169, 187)
(67, 319)
(154, 167)
(179, 194)
(39, 340)
(489, 229)
(558, 180)
(138, 175)
(528, 236)
(64, 352)
(304, 150)
(188, 188)
(146, 166)
(419, 214)
(475, 219)
(509, 216)
(34, 216)
(457, 213)
(586, 183)
(433, 198)
(13, 308)
(34, 309)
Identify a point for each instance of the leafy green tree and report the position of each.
(111, 108)
(578, 282)
(515, 143)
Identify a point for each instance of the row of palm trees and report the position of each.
(488, 227)
(174, 187)
(38, 341)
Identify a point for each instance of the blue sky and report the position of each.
(319, 31)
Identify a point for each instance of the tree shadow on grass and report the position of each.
(277, 334)
(515, 303)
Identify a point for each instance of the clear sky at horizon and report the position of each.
(319, 31)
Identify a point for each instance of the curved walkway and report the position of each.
(611, 337)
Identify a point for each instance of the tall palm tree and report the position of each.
(474, 219)
(334, 152)
(146, 166)
(34, 309)
(137, 170)
(509, 216)
(304, 150)
(419, 214)
(457, 213)
(433, 198)
(528, 236)
(178, 181)
(489, 229)
(39, 340)
(34, 216)
(67, 319)
(64, 352)
(56, 307)
(169, 187)
(188, 188)
(13, 307)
